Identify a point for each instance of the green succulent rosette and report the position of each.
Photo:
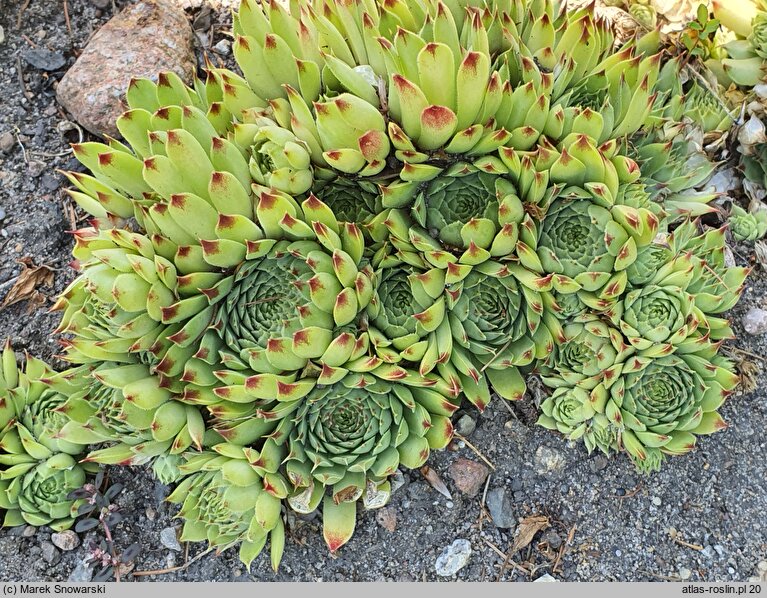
(591, 354)
(746, 226)
(357, 201)
(490, 315)
(350, 437)
(408, 307)
(664, 405)
(706, 109)
(650, 259)
(572, 411)
(132, 411)
(673, 169)
(715, 286)
(564, 306)
(644, 14)
(278, 159)
(656, 315)
(661, 317)
(38, 468)
(588, 247)
(225, 502)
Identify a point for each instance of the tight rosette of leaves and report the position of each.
(38, 468)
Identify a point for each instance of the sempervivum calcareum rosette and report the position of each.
(38, 469)
(295, 275)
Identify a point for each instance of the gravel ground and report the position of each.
(702, 518)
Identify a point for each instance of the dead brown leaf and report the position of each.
(25, 287)
(526, 531)
(435, 481)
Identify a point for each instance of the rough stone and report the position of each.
(223, 47)
(169, 539)
(685, 573)
(453, 558)
(552, 538)
(397, 481)
(43, 59)
(466, 425)
(49, 553)
(468, 475)
(549, 461)
(755, 321)
(546, 578)
(9, 545)
(82, 573)
(66, 540)
(6, 142)
(387, 518)
(501, 508)
(144, 39)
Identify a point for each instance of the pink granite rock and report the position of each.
(142, 40)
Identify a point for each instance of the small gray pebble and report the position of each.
(66, 540)
(81, 574)
(453, 558)
(466, 425)
(553, 539)
(49, 553)
(43, 59)
(223, 47)
(501, 508)
(169, 539)
(7, 140)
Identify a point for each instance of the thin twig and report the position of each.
(688, 545)
(66, 18)
(657, 576)
(702, 80)
(482, 509)
(476, 450)
(500, 553)
(21, 13)
(495, 356)
(173, 569)
(505, 403)
(631, 493)
(21, 145)
(29, 41)
(754, 355)
(20, 73)
(565, 545)
(49, 155)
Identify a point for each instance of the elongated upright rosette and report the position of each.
(38, 468)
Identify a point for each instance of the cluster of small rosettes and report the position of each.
(293, 277)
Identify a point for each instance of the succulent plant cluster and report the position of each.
(293, 276)
(745, 58)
